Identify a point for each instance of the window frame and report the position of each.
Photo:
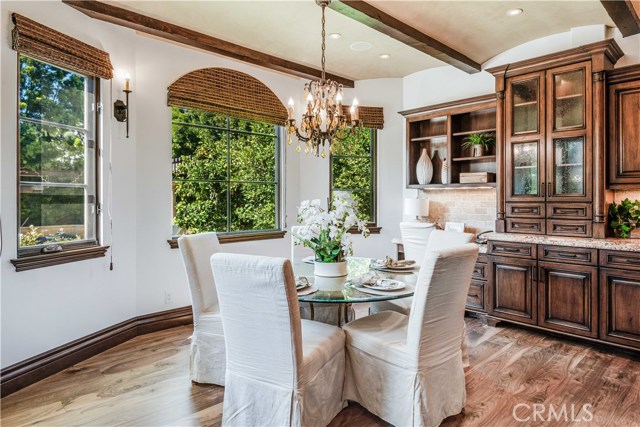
(279, 175)
(32, 256)
(373, 224)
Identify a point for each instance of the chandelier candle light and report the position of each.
(323, 121)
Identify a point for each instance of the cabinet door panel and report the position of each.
(567, 298)
(620, 306)
(624, 134)
(513, 290)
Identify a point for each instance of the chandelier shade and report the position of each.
(324, 123)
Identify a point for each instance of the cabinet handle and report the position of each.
(566, 255)
(542, 188)
(549, 188)
(524, 210)
(541, 274)
(511, 250)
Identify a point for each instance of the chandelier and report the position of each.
(323, 121)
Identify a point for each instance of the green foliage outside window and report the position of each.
(352, 171)
(225, 173)
(53, 155)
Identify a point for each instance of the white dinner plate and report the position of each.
(386, 285)
(308, 290)
(402, 268)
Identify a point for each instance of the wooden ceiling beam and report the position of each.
(145, 24)
(372, 17)
(625, 14)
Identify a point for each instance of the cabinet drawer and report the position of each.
(569, 228)
(475, 297)
(572, 211)
(620, 259)
(479, 271)
(526, 210)
(568, 254)
(527, 226)
(519, 250)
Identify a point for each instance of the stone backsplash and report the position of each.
(632, 195)
(475, 207)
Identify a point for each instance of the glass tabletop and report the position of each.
(341, 290)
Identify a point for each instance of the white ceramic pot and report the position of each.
(330, 269)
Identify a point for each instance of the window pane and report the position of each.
(253, 207)
(569, 158)
(52, 214)
(197, 117)
(525, 169)
(199, 153)
(252, 157)
(525, 106)
(57, 155)
(51, 154)
(253, 127)
(50, 93)
(351, 173)
(200, 207)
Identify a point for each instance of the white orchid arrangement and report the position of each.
(326, 232)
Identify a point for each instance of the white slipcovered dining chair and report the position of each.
(415, 236)
(207, 342)
(408, 369)
(281, 371)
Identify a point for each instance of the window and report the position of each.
(353, 171)
(225, 173)
(57, 157)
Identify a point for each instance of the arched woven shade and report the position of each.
(371, 117)
(46, 44)
(228, 92)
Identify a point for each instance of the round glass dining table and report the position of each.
(342, 290)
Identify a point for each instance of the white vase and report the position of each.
(424, 168)
(444, 174)
(330, 269)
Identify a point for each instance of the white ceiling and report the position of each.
(291, 29)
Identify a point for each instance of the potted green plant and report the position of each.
(624, 218)
(480, 143)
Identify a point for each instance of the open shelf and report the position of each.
(454, 185)
(469, 132)
(475, 159)
(427, 138)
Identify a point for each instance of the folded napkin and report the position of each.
(390, 262)
(302, 282)
(369, 278)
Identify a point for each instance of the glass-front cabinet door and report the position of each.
(568, 153)
(524, 151)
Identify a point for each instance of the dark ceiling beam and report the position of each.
(145, 24)
(624, 15)
(368, 15)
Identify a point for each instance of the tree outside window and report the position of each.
(57, 155)
(225, 173)
(353, 171)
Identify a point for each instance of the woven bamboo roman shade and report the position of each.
(227, 92)
(371, 117)
(46, 44)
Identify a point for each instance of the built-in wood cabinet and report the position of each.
(441, 130)
(551, 142)
(624, 128)
(513, 290)
(582, 292)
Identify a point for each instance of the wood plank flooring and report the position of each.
(145, 382)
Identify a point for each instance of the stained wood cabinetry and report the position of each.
(624, 128)
(550, 145)
(581, 292)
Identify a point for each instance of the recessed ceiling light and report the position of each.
(361, 46)
(385, 56)
(335, 36)
(514, 12)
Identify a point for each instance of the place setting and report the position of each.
(395, 266)
(375, 283)
(304, 287)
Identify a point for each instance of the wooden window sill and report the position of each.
(373, 229)
(30, 262)
(240, 237)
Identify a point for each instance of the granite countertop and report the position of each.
(616, 244)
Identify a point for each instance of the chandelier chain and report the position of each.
(323, 42)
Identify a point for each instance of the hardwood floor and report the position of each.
(145, 382)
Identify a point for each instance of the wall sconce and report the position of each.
(121, 109)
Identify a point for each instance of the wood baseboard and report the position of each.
(36, 368)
